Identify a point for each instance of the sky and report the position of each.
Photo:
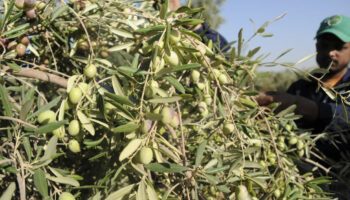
(295, 30)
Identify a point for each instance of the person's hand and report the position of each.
(305, 107)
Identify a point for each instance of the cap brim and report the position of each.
(339, 34)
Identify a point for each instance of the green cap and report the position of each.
(339, 25)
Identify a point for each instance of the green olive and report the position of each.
(292, 140)
(83, 86)
(175, 36)
(195, 75)
(228, 128)
(75, 95)
(66, 196)
(145, 155)
(242, 193)
(167, 115)
(60, 133)
(46, 117)
(74, 146)
(74, 128)
(90, 71)
(172, 59)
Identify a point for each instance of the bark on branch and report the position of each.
(32, 73)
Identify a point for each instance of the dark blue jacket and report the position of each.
(207, 33)
(332, 115)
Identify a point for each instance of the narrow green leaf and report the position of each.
(89, 8)
(192, 34)
(86, 123)
(240, 42)
(50, 149)
(166, 99)
(92, 143)
(187, 21)
(8, 9)
(18, 28)
(153, 29)
(121, 108)
(141, 192)
(59, 11)
(5, 101)
(121, 193)
(8, 193)
(186, 67)
(152, 195)
(40, 182)
(175, 83)
(46, 107)
(199, 153)
(64, 180)
(117, 88)
(120, 99)
(121, 46)
(166, 167)
(27, 148)
(121, 32)
(127, 128)
(50, 127)
(27, 106)
(14, 66)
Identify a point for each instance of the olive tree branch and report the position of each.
(32, 73)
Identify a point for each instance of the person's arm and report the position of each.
(174, 4)
(305, 107)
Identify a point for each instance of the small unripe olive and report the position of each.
(242, 193)
(29, 4)
(46, 117)
(40, 5)
(145, 155)
(277, 193)
(74, 146)
(301, 152)
(75, 95)
(228, 128)
(67, 105)
(60, 133)
(146, 126)
(292, 140)
(31, 13)
(175, 121)
(83, 86)
(288, 127)
(167, 115)
(24, 40)
(300, 144)
(19, 4)
(281, 145)
(208, 100)
(83, 45)
(202, 106)
(90, 71)
(12, 45)
(74, 128)
(104, 54)
(21, 50)
(66, 196)
(195, 75)
(175, 36)
(223, 79)
(200, 85)
(172, 59)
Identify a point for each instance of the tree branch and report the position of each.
(32, 73)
